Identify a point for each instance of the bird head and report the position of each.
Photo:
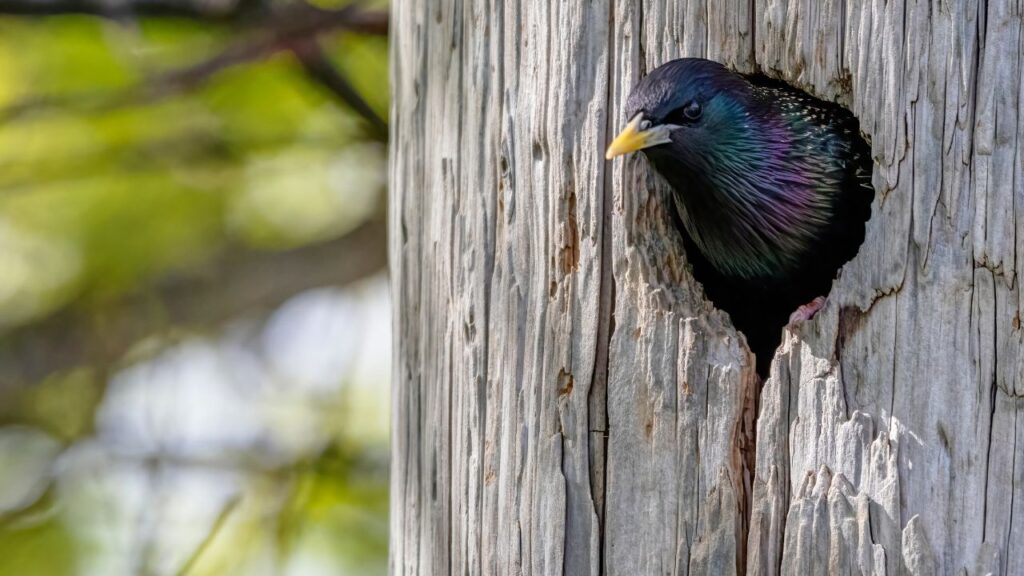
(745, 200)
(690, 112)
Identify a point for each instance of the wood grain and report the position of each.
(566, 401)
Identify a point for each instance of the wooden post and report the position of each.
(566, 401)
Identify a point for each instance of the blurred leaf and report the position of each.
(300, 195)
(271, 101)
(64, 55)
(38, 272)
(26, 463)
(172, 43)
(337, 511)
(37, 549)
(128, 226)
(63, 405)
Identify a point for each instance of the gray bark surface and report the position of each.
(567, 402)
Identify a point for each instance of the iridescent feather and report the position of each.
(772, 187)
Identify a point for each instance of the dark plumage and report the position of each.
(772, 187)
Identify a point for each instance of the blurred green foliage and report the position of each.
(110, 174)
(62, 405)
(38, 549)
(115, 173)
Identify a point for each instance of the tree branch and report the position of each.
(319, 67)
(206, 10)
(293, 28)
(226, 11)
(235, 283)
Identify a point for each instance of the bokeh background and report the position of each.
(194, 316)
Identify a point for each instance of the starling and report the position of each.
(772, 188)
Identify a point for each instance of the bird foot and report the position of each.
(807, 311)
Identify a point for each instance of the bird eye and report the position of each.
(645, 124)
(686, 114)
(693, 110)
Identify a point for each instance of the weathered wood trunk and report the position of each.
(566, 401)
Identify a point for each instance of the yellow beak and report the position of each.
(632, 138)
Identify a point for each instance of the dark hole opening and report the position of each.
(761, 309)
